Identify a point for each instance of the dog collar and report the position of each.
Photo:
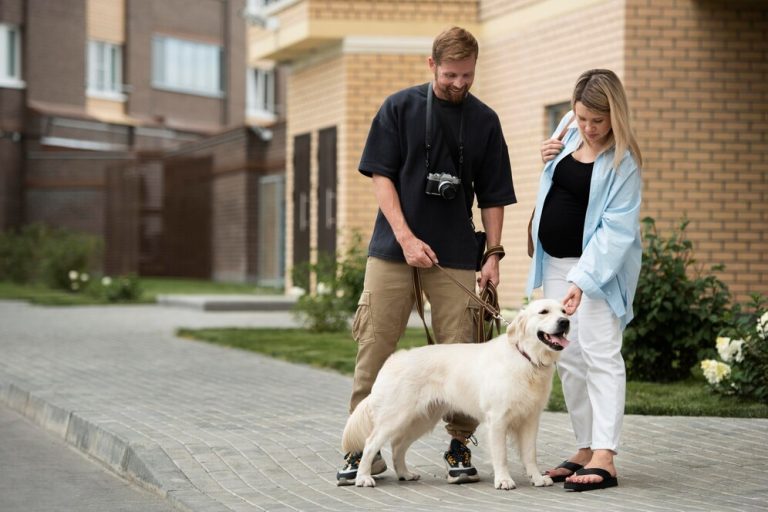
(525, 355)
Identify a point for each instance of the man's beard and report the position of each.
(454, 95)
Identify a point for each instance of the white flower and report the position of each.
(323, 289)
(106, 281)
(730, 349)
(762, 325)
(340, 293)
(715, 371)
(73, 274)
(84, 277)
(75, 286)
(296, 291)
(736, 352)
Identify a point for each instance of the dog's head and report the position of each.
(540, 330)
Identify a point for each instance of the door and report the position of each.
(301, 161)
(326, 192)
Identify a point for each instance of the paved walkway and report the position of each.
(215, 429)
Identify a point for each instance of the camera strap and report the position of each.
(428, 134)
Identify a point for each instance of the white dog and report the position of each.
(504, 383)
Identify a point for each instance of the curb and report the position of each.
(229, 302)
(121, 450)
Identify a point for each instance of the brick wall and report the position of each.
(697, 76)
(394, 10)
(530, 62)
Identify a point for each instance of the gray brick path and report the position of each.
(216, 429)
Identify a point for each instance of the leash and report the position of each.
(489, 311)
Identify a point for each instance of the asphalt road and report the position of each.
(41, 473)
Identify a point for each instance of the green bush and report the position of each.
(678, 310)
(39, 253)
(743, 350)
(339, 284)
(20, 253)
(120, 289)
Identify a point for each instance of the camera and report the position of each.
(442, 184)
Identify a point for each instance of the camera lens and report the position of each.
(447, 190)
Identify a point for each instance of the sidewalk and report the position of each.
(216, 429)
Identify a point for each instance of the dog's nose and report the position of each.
(563, 324)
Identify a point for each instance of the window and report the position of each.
(261, 93)
(105, 70)
(186, 66)
(10, 56)
(555, 114)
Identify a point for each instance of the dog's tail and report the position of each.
(359, 426)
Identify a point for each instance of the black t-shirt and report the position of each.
(561, 228)
(396, 149)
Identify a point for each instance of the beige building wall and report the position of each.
(697, 74)
(316, 89)
(531, 54)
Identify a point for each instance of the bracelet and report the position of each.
(495, 250)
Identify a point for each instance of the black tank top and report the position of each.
(562, 219)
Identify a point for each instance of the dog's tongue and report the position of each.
(558, 339)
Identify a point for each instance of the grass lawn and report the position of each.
(151, 288)
(337, 351)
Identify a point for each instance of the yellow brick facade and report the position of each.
(695, 74)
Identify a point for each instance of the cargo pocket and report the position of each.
(362, 324)
(467, 331)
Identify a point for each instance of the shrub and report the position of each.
(120, 289)
(678, 309)
(48, 255)
(743, 351)
(20, 253)
(339, 285)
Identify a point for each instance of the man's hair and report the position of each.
(454, 44)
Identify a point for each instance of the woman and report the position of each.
(586, 229)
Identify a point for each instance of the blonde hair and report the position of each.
(600, 90)
(455, 43)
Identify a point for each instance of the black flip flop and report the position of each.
(573, 467)
(607, 481)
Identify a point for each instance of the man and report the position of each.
(425, 185)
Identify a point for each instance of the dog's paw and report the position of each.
(408, 476)
(541, 480)
(365, 481)
(505, 484)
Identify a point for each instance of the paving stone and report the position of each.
(220, 430)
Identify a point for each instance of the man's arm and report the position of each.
(493, 220)
(416, 252)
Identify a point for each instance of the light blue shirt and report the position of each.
(609, 265)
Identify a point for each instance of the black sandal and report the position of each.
(573, 467)
(607, 481)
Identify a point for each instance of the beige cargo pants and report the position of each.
(382, 314)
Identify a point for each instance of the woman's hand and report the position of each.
(572, 299)
(550, 148)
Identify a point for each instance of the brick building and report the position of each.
(155, 130)
(205, 175)
(696, 72)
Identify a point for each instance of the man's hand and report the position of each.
(489, 272)
(572, 299)
(417, 253)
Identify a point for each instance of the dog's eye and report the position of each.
(544, 312)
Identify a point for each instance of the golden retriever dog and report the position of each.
(504, 383)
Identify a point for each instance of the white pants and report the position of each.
(591, 367)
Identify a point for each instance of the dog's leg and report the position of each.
(498, 445)
(400, 446)
(404, 439)
(372, 446)
(526, 445)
